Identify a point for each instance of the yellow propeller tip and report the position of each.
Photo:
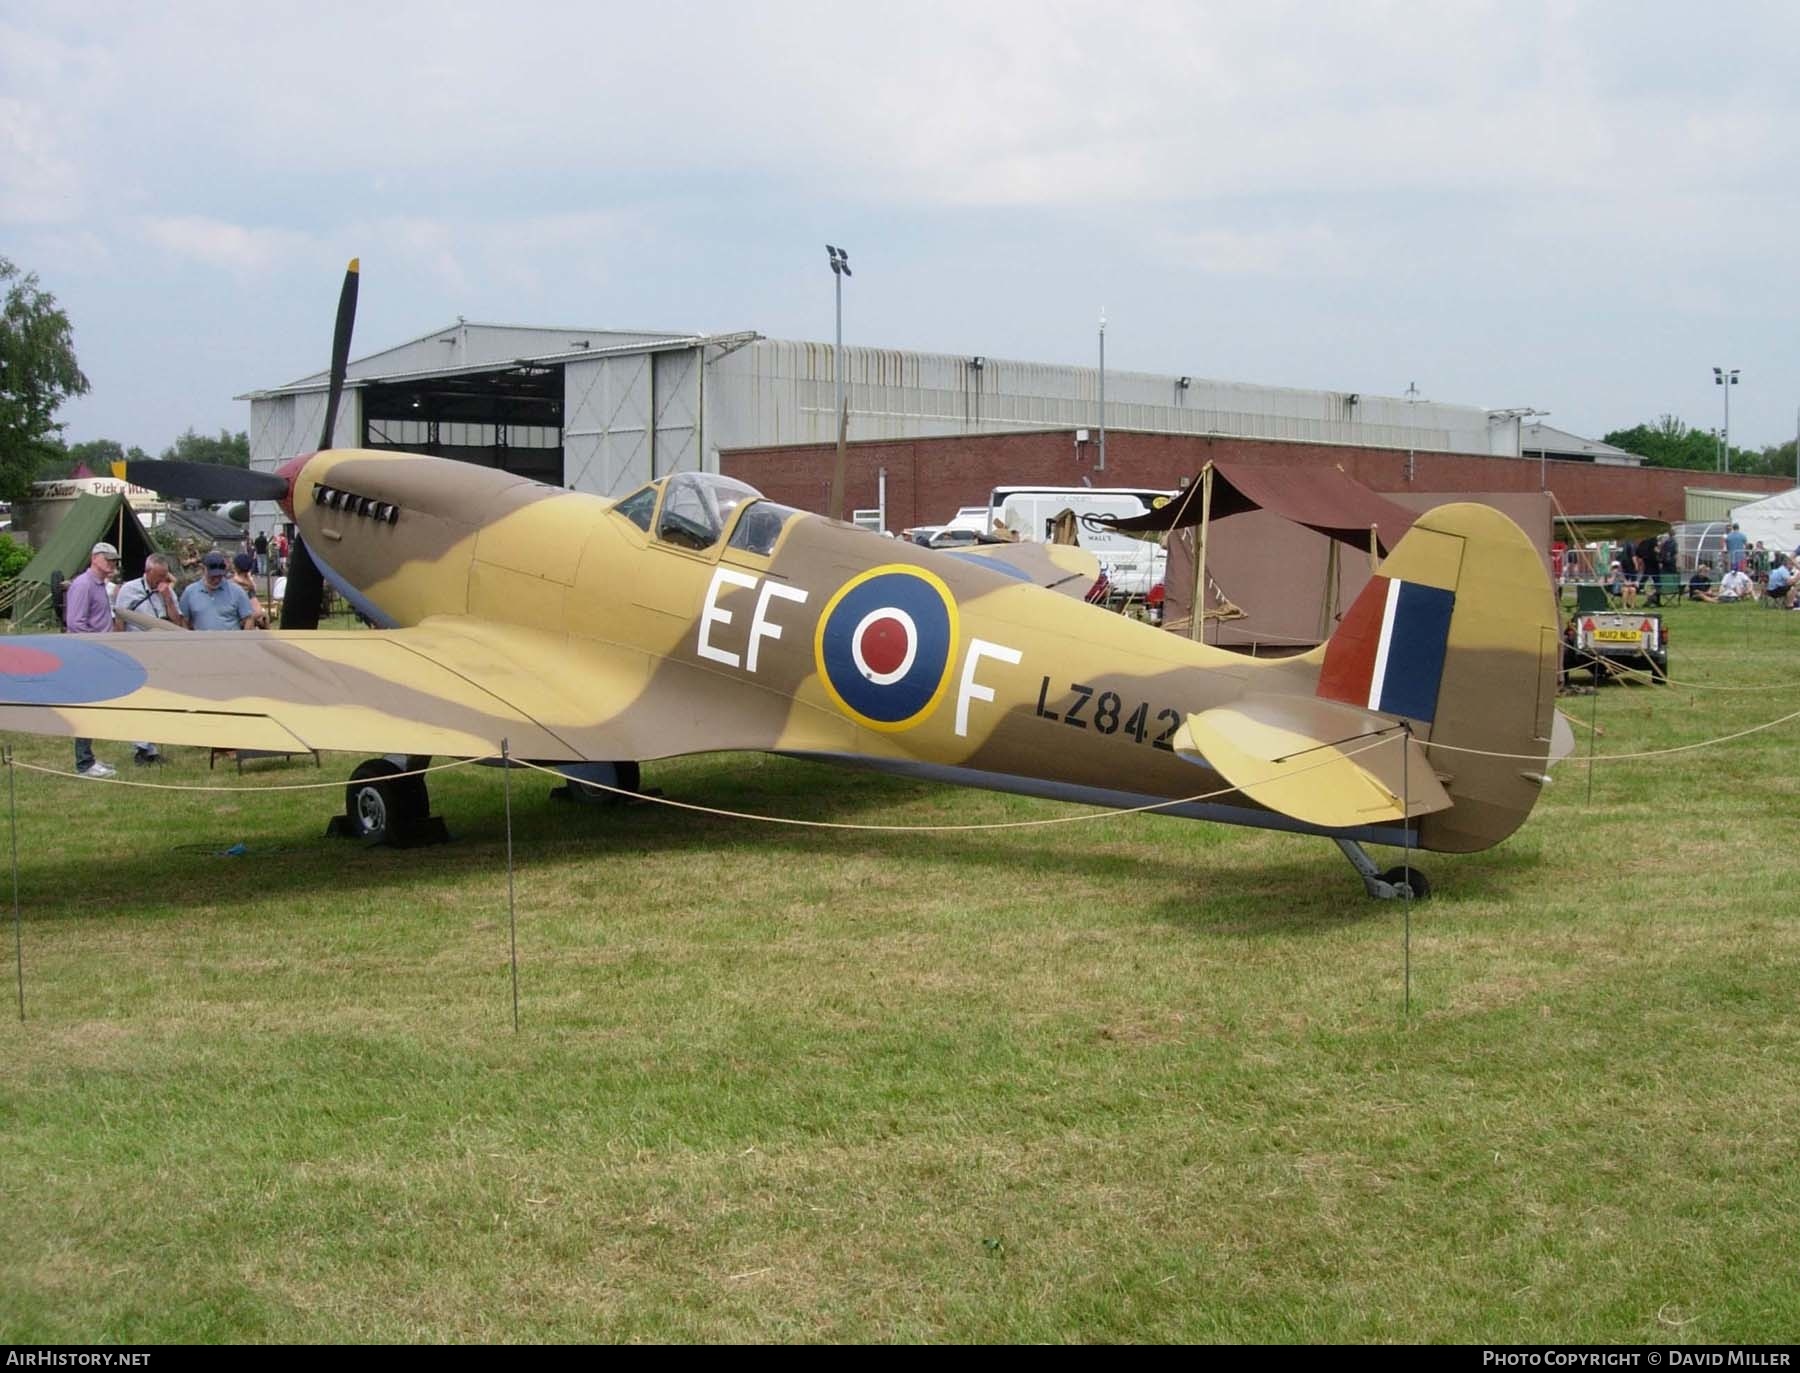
(355, 264)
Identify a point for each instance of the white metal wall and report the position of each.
(774, 391)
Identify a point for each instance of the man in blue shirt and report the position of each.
(213, 602)
(88, 610)
(1737, 543)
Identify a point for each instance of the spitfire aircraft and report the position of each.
(693, 615)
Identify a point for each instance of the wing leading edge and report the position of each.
(449, 687)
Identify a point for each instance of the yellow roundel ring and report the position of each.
(885, 646)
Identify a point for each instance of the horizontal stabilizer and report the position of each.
(1317, 761)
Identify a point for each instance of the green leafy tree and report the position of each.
(228, 450)
(97, 455)
(13, 557)
(37, 374)
(1669, 442)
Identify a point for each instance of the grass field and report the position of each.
(1140, 1079)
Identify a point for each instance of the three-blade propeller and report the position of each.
(211, 482)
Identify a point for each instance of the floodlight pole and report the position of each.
(1100, 466)
(1728, 378)
(840, 268)
(837, 351)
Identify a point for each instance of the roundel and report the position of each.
(884, 645)
(66, 671)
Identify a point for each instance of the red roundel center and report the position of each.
(884, 645)
(18, 661)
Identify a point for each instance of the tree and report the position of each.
(228, 450)
(13, 557)
(97, 455)
(37, 374)
(1670, 443)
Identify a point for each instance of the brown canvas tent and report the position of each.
(1329, 502)
(1325, 501)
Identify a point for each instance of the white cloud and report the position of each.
(244, 250)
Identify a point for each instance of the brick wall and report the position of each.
(927, 479)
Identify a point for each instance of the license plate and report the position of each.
(1617, 636)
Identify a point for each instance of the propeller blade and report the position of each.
(202, 481)
(305, 590)
(340, 349)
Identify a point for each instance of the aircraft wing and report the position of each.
(452, 686)
(1054, 566)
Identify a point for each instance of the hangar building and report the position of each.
(603, 410)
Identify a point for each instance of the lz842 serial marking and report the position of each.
(1105, 713)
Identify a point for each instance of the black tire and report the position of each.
(1396, 877)
(626, 775)
(374, 806)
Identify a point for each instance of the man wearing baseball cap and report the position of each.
(88, 610)
(214, 602)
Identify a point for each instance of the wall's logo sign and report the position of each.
(884, 646)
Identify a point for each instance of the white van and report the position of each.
(1133, 565)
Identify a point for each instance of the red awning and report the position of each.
(1323, 499)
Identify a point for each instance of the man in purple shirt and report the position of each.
(87, 610)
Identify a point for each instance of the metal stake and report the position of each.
(1593, 729)
(512, 921)
(12, 805)
(1406, 839)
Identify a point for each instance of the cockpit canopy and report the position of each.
(694, 509)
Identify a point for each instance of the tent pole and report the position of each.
(1374, 552)
(1197, 622)
(1329, 603)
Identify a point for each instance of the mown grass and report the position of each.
(1142, 1079)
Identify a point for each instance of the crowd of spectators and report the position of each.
(1645, 571)
(221, 595)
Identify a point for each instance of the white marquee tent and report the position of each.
(1775, 520)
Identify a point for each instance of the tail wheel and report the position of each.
(623, 776)
(378, 799)
(1403, 877)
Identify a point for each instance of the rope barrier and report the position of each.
(1623, 757)
(1099, 813)
(1106, 813)
(278, 786)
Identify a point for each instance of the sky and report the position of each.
(1581, 208)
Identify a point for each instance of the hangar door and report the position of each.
(630, 418)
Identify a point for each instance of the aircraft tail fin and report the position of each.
(1458, 634)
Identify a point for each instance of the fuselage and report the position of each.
(788, 632)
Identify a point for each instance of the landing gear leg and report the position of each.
(598, 784)
(1395, 883)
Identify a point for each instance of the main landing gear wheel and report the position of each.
(378, 799)
(384, 806)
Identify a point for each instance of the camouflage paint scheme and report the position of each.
(511, 610)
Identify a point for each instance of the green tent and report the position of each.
(70, 547)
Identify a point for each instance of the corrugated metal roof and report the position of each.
(1547, 438)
